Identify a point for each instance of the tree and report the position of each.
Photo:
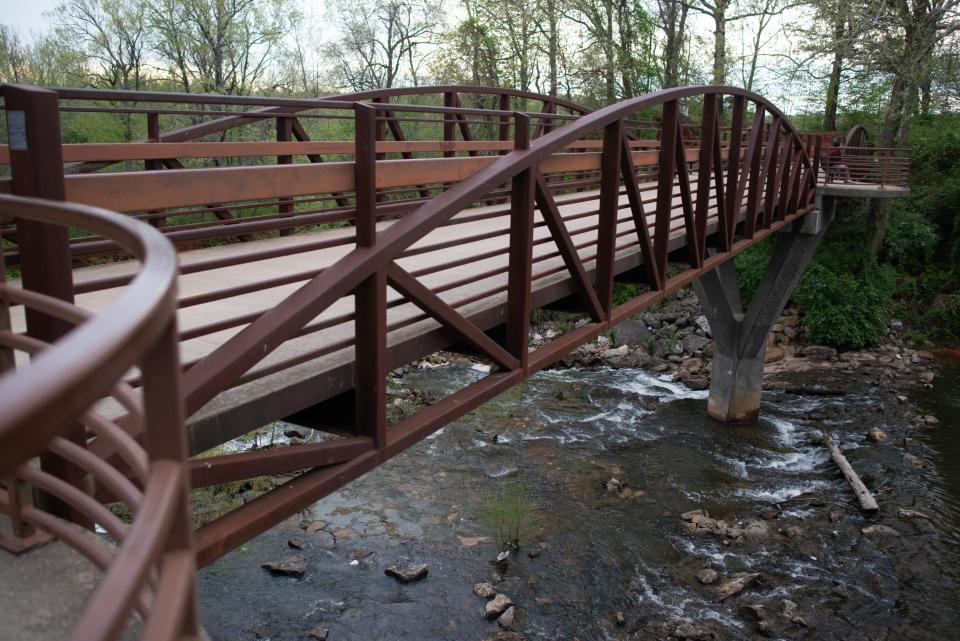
(672, 15)
(382, 40)
(112, 34)
(220, 46)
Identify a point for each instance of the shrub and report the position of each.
(509, 515)
(844, 310)
(910, 240)
(751, 265)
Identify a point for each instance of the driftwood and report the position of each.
(867, 502)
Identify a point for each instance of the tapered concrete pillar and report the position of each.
(740, 338)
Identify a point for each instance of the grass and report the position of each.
(509, 515)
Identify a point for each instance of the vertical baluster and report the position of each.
(449, 123)
(504, 124)
(754, 157)
(520, 267)
(285, 204)
(733, 166)
(153, 134)
(370, 367)
(665, 167)
(607, 216)
(708, 134)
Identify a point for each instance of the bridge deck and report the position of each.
(477, 288)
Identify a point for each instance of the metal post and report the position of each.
(609, 207)
(36, 165)
(285, 203)
(449, 122)
(370, 367)
(665, 167)
(521, 249)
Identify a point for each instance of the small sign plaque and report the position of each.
(17, 130)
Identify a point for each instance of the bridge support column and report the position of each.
(740, 338)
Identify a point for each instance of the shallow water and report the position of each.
(561, 436)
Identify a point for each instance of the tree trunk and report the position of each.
(719, 47)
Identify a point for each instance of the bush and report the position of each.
(910, 240)
(509, 516)
(751, 265)
(844, 310)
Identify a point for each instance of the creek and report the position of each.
(560, 437)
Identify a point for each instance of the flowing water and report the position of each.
(560, 437)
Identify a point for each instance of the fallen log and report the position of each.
(867, 502)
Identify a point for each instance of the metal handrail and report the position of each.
(43, 403)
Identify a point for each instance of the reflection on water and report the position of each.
(562, 435)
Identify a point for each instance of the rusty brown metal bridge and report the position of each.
(319, 244)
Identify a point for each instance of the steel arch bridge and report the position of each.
(321, 243)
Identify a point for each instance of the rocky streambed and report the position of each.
(647, 519)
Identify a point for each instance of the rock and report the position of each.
(692, 365)
(630, 332)
(737, 584)
(913, 461)
(617, 352)
(698, 382)
(707, 576)
(535, 551)
(471, 541)
(793, 532)
(484, 590)
(876, 435)
(295, 565)
(926, 377)
(912, 514)
(320, 633)
(407, 573)
(688, 516)
(507, 620)
(620, 619)
(879, 530)
(694, 343)
(753, 611)
(693, 631)
(703, 324)
(633, 360)
(789, 608)
(497, 606)
(836, 513)
(614, 485)
(297, 544)
(543, 600)
(316, 526)
(931, 420)
(756, 531)
(361, 553)
(819, 352)
(774, 354)
(293, 431)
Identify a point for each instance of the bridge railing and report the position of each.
(467, 220)
(868, 165)
(56, 377)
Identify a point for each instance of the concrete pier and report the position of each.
(740, 337)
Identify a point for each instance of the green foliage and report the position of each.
(910, 240)
(509, 516)
(751, 264)
(845, 310)
(622, 292)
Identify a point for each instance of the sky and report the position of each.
(27, 15)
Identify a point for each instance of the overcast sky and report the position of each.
(27, 15)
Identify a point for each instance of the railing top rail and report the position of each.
(63, 381)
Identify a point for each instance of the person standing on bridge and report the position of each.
(835, 164)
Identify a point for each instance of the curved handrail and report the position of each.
(82, 367)
(203, 381)
(61, 387)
